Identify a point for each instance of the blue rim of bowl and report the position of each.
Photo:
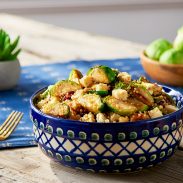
(101, 123)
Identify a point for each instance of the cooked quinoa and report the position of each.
(105, 95)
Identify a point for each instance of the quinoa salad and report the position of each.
(105, 95)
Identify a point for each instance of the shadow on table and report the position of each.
(169, 171)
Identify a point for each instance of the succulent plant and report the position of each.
(8, 48)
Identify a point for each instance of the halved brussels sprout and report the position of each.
(138, 104)
(92, 103)
(142, 94)
(56, 109)
(46, 92)
(120, 107)
(75, 74)
(102, 74)
(63, 87)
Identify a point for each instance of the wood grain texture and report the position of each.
(41, 44)
(30, 165)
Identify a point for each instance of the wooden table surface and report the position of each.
(41, 44)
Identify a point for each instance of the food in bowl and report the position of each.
(163, 51)
(108, 147)
(105, 95)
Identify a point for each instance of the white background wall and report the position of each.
(139, 26)
(134, 20)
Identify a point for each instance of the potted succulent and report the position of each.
(9, 64)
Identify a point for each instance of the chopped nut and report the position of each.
(88, 117)
(100, 117)
(120, 94)
(114, 116)
(75, 105)
(154, 113)
(123, 119)
(124, 76)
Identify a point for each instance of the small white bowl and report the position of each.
(9, 74)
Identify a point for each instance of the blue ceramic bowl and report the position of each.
(111, 147)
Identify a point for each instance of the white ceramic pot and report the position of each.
(9, 74)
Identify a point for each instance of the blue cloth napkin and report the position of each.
(37, 76)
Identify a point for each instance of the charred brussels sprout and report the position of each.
(92, 102)
(63, 87)
(102, 74)
(120, 107)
